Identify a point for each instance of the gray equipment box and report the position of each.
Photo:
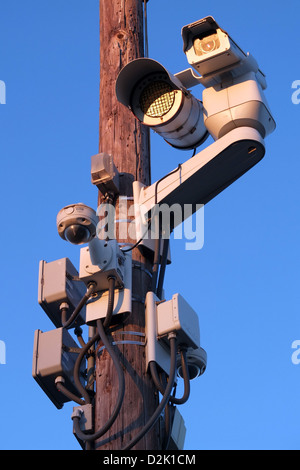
(57, 286)
(52, 359)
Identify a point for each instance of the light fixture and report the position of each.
(160, 101)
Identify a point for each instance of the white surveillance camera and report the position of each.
(197, 362)
(233, 95)
(77, 223)
(160, 101)
(213, 53)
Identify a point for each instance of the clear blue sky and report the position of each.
(244, 283)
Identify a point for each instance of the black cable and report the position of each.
(158, 240)
(156, 261)
(92, 437)
(78, 332)
(146, 29)
(155, 203)
(163, 268)
(111, 298)
(79, 307)
(139, 241)
(151, 422)
(76, 372)
(186, 378)
(164, 177)
(169, 419)
(61, 388)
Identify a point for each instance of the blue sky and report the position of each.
(244, 282)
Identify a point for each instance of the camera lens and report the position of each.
(193, 369)
(206, 44)
(77, 234)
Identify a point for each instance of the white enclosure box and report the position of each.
(54, 356)
(178, 432)
(177, 315)
(97, 307)
(162, 318)
(104, 173)
(100, 260)
(56, 286)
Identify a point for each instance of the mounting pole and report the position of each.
(123, 137)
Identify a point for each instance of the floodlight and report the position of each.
(160, 101)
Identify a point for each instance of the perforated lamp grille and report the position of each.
(157, 99)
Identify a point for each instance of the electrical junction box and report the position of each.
(178, 429)
(54, 356)
(97, 307)
(100, 260)
(86, 417)
(104, 173)
(163, 318)
(177, 315)
(56, 286)
(178, 432)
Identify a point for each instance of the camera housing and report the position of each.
(197, 362)
(77, 223)
(215, 55)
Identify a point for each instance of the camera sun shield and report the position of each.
(209, 48)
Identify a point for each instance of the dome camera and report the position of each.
(196, 360)
(77, 223)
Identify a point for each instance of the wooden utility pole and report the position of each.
(122, 40)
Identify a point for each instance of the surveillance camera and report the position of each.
(233, 95)
(77, 223)
(213, 53)
(196, 360)
(160, 101)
